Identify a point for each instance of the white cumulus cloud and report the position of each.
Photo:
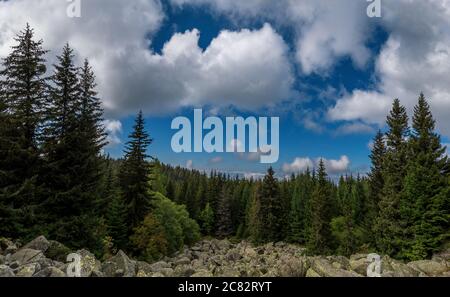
(332, 166)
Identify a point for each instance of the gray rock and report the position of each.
(25, 256)
(5, 244)
(394, 268)
(5, 271)
(168, 272)
(156, 267)
(359, 264)
(50, 272)
(143, 269)
(14, 265)
(2, 260)
(324, 268)
(202, 273)
(88, 263)
(312, 273)
(183, 271)
(183, 261)
(233, 256)
(40, 243)
(57, 251)
(119, 262)
(28, 270)
(227, 272)
(289, 266)
(430, 268)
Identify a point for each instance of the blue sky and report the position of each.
(295, 139)
(324, 67)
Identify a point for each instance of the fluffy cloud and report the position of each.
(332, 166)
(415, 58)
(247, 68)
(114, 129)
(325, 30)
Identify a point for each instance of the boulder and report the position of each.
(168, 272)
(57, 251)
(429, 267)
(119, 262)
(28, 270)
(50, 272)
(6, 271)
(288, 266)
(359, 263)
(233, 256)
(227, 272)
(312, 273)
(40, 243)
(182, 271)
(143, 269)
(203, 273)
(156, 267)
(183, 261)
(6, 244)
(394, 268)
(25, 256)
(324, 268)
(88, 263)
(250, 252)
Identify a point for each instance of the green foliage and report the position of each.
(165, 230)
(134, 175)
(55, 181)
(320, 239)
(22, 98)
(207, 220)
(150, 240)
(270, 209)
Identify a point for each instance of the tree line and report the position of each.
(56, 180)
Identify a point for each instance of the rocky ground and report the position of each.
(44, 258)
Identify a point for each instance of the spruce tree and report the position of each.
(388, 227)
(271, 208)
(224, 224)
(23, 91)
(320, 240)
(424, 207)
(376, 181)
(134, 175)
(72, 152)
(207, 220)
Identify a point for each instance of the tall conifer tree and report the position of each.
(134, 175)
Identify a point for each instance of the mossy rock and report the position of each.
(57, 251)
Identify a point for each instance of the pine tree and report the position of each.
(424, 208)
(72, 151)
(376, 181)
(298, 222)
(224, 224)
(270, 208)
(388, 227)
(134, 175)
(116, 222)
(320, 239)
(207, 220)
(23, 97)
